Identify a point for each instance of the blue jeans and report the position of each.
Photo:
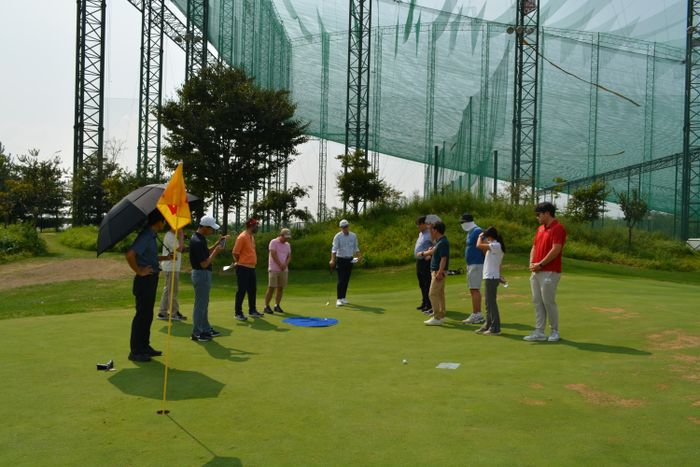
(201, 280)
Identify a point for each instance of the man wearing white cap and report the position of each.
(201, 257)
(278, 269)
(343, 252)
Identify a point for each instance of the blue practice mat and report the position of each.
(308, 322)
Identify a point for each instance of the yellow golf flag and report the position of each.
(173, 202)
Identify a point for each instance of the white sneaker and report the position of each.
(434, 322)
(554, 336)
(535, 336)
(345, 301)
(474, 318)
(339, 302)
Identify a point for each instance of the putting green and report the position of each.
(622, 387)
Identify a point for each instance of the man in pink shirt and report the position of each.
(278, 269)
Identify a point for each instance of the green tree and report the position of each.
(95, 192)
(358, 184)
(282, 205)
(39, 190)
(634, 209)
(230, 134)
(587, 204)
(7, 174)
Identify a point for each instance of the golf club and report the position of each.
(330, 294)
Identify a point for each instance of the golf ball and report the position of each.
(404, 361)
(327, 303)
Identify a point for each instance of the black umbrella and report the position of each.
(129, 214)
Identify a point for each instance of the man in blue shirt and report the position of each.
(423, 243)
(475, 267)
(144, 261)
(439, 264)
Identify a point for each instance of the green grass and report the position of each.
(622, 388)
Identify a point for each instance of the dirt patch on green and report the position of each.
(674, 339)
(603, 398)
(48, 272)
(616, 313)
(537, 402)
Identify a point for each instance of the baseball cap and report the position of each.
(208, 221)
(344, 223)
(432, 219)
(286, 233)
(466, 217)
(251, 222)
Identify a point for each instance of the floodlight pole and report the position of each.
(527, 34)
(690, 169)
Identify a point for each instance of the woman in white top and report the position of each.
(173, 242)
(491, 243)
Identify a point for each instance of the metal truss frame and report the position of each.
(196, 41)
(323, 142)
(527, 33)
(151, 84)
(690, 169)
(359, 48)
(88, 129)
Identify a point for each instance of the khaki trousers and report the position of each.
(544, 292)
(437, 295)
(165, 298)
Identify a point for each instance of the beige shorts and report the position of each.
(277, 279)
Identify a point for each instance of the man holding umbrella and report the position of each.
(144, 261)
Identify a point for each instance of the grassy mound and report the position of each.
(387, 235)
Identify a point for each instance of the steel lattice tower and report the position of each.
(196, 38)
(323, 143)
(525, 92)
(359, 43)
(88, 130)
(226, 32)
(690, 170)
(150, 95)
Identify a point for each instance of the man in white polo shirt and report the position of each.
(278, 269)
(343, 252)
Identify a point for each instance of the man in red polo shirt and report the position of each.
(545, 264)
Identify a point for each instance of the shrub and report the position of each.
(20, 241)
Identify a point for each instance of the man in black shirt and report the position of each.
(201, 257)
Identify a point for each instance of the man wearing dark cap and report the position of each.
(475, 267)
(143, 259)
(244, 260)
(545, 265)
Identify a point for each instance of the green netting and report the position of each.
(443, 79)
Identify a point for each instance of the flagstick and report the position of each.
(162, 410)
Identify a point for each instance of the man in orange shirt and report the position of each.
(244, 260)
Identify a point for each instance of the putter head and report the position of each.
(105, 366)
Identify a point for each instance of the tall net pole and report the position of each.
(359, 45)
(196, 36)
(88, 128)
(322, 142)
(690, 169)
(525, 92)
(150, 93)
